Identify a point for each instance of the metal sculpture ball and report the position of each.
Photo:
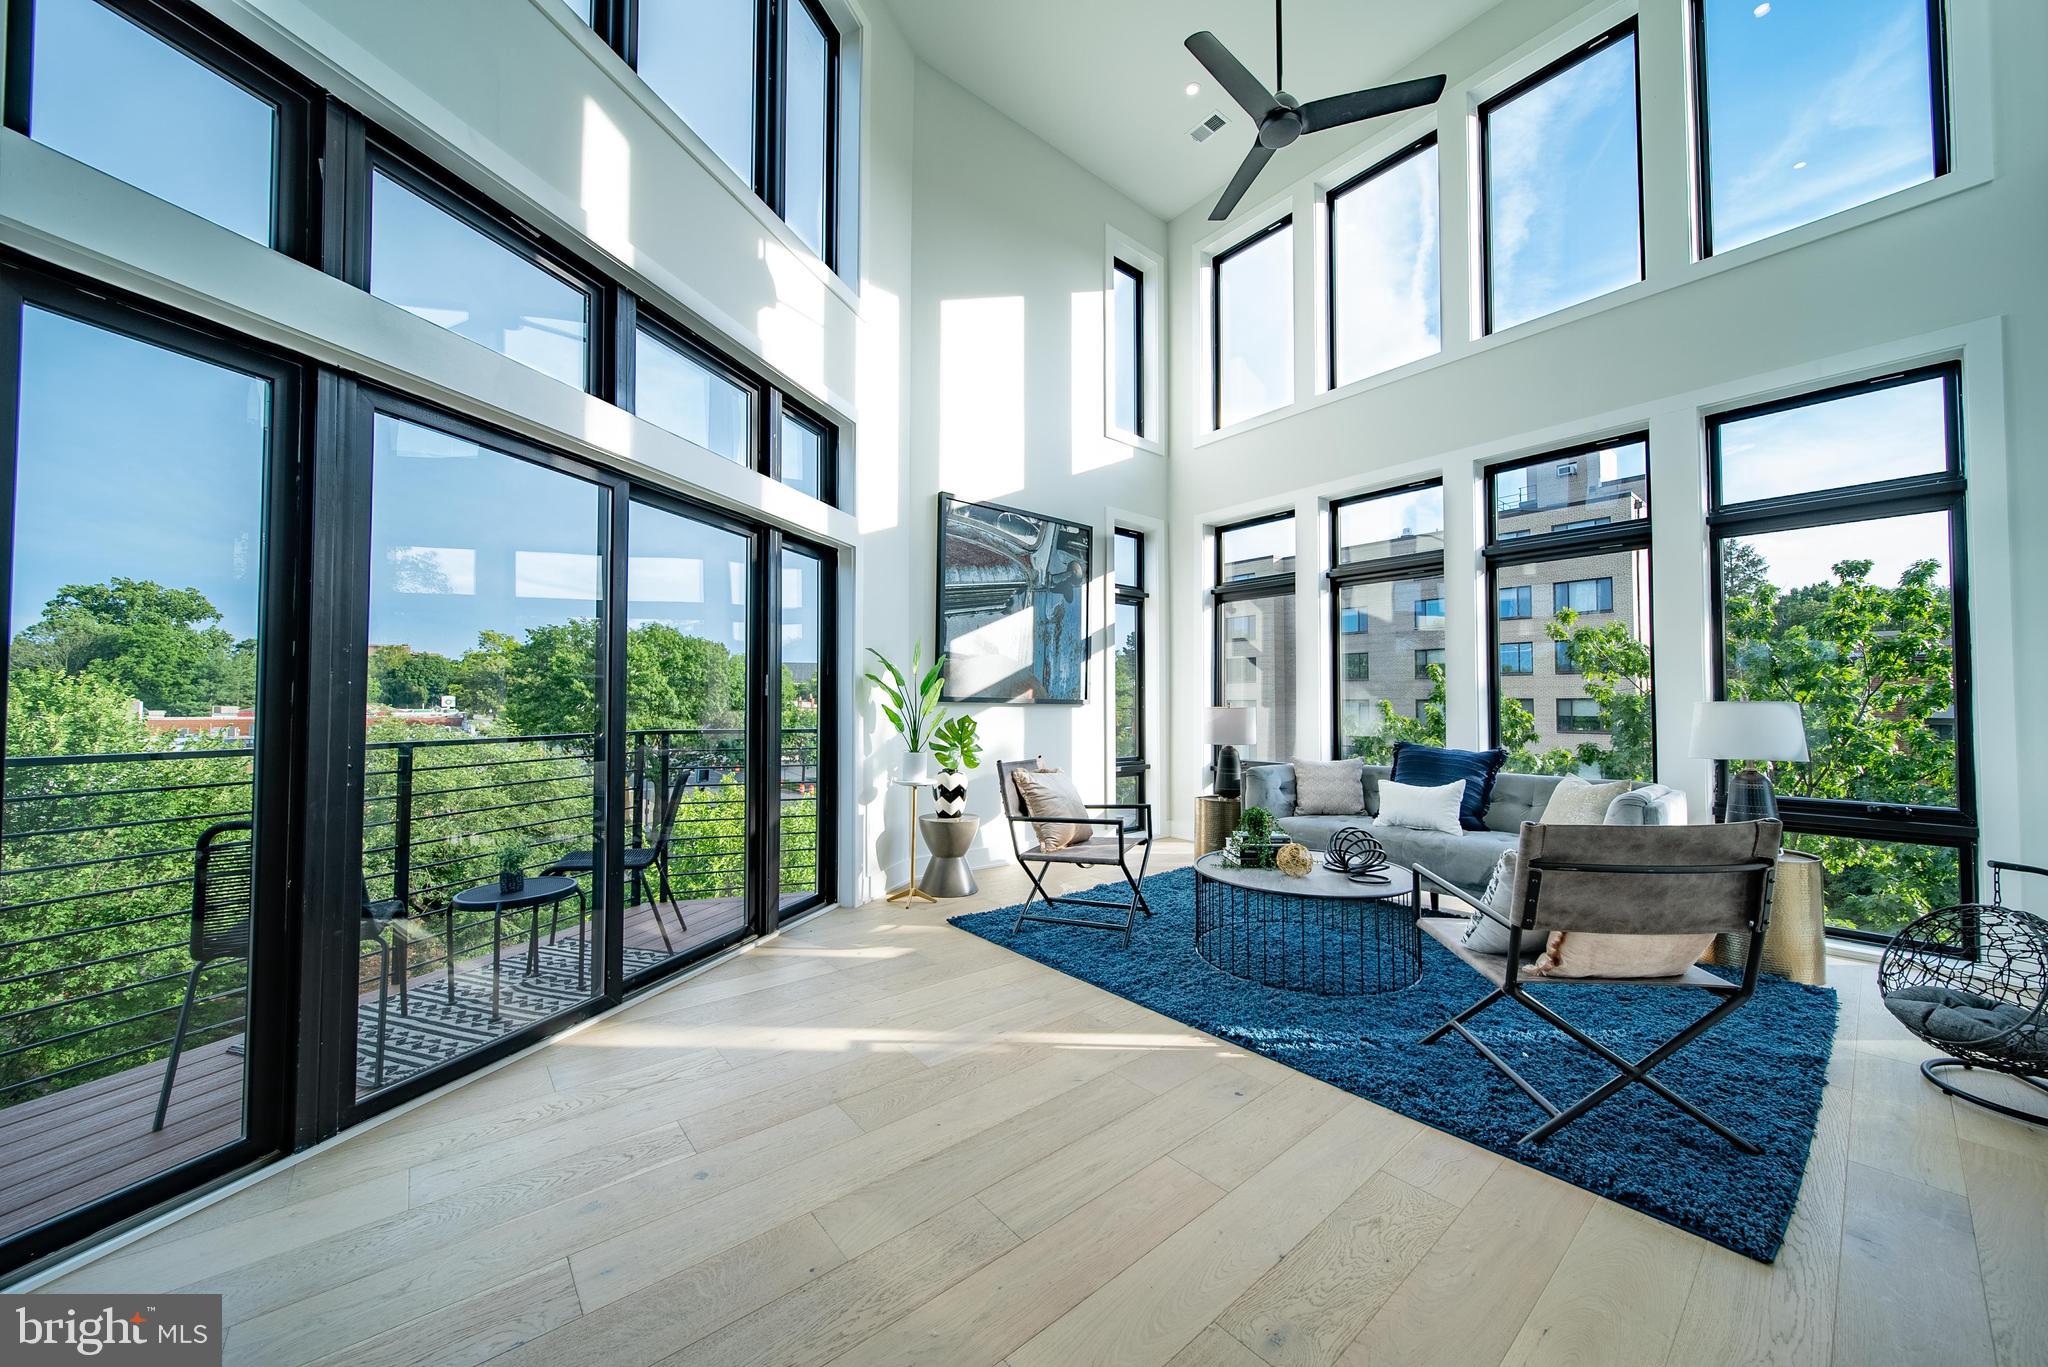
(1354, 850)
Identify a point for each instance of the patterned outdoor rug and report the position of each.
(433, 1030)
(1761, 1072)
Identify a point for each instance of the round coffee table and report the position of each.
(1324, 933)
(548, 890)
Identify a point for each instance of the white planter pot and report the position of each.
(949, 791)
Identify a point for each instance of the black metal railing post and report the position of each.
(401, 841)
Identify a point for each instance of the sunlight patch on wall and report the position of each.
(877, 466)
(607, 183)
(1093, 450)
(981, 396)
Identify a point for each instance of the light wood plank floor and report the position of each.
(881, 1141)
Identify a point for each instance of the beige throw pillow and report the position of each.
(1576, 802)
(1329, 787)
(1050, 792)
(1572, 954)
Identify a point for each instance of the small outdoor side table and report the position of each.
(537, 894)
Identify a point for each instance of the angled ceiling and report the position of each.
(1105, 81)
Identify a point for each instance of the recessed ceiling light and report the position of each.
(1799, 166)
(1761, 10)
(1194, 89)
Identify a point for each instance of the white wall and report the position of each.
(1005, 387)
(1945, 270)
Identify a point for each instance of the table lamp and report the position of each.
(1230, 727)
(1748, 731)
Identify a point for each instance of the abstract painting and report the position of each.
(1013, 604)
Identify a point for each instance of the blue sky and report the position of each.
(1813, 106)
(1562, 208)
(1389, 297)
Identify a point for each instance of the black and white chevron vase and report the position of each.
(951, 790)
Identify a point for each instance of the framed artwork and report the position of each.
(1013, 604)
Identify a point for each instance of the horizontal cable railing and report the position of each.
(97, 854)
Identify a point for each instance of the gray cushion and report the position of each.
(1466, 859)
(1328, 787)
(1270, 785)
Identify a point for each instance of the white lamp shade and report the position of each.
(1748, 730)
(1232, 726)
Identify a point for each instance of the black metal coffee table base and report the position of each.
(1320, 934)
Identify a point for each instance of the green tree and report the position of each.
(1615, 667)
(1873, 670)
(403, 677)
(1397, 727)
(162, 645)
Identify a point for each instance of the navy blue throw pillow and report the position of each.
(1430, 766)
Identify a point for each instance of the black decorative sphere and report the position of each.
(1354, 850)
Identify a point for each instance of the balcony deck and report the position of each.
(64, 1149)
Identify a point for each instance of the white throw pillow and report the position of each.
(1486, 936)
(1577, 802)
(1049, 792)
(1421, 809)
(1329, 787)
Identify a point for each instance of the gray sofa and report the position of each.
(1467, 858)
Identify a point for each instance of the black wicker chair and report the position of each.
(638, 859)
(1972, 980)
(223, 904)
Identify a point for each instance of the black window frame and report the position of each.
(1957, 827)
(777, 408)
(1119, 266)
(381, 155)
(1568, 721)
(1630, 535)
(1483, 205)
(1702, 114)
(1135, 595)
(1222, 594)
(186, 29)
(1284, 223)
(1603, 594)
(282, 954)
(1501, 658)
(618, 24)
(764, 438)
(1422, 666)
(1377, 169)
(1525, 602)
(1386, 569)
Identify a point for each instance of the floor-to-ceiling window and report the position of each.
(1253, 606)
(1839, 554)
(689, 640)
(805, 728)
(1387, 593)
(1568, 577)
(143, 804)
(1128, 660)
(483, 819)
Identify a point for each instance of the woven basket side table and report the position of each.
(1215, 818)
(1795, 944)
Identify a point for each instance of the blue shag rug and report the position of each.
(1760, 1072)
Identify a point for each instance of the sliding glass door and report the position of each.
(142, 831)
(804, 704)
(689, 647)
(483, 738)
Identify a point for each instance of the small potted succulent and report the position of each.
(956, 745)
(513, 856)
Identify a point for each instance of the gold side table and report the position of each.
(912, 893)
(1795, 943)
(1215, 818)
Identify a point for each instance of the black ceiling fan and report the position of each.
(1282, 118)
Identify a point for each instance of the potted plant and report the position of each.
(513, 856)
(956, 745)
(910, 700)
(1252, 846)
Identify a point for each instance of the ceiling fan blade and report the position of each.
(1247, 172)
(1230, 73)
(1338, 110)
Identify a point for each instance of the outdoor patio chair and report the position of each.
(638, 859)
(223, 903)
(1121, 838)
(1621, 880)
